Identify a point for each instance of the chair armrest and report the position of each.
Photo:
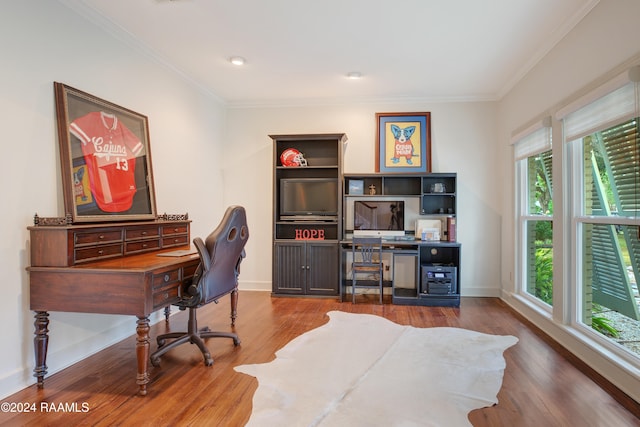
(204, 254)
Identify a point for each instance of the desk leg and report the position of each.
(142, 353)
(40, 345)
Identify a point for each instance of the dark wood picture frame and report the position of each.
(403, 142)
(105, 159)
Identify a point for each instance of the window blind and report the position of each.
(610, 104)
(536, 139)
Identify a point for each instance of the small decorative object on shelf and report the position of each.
(372, 189)
(356, 187)
(174, 217)
(430, 234)
(438, 187)
(53, 221)
(451, 229)
(292, 158)
(309, 234)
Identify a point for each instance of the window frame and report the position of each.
(536, 139)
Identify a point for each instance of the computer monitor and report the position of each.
(378, 218)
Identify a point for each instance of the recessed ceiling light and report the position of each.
(237, 60)
(354, 75)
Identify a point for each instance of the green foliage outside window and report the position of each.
(543, 205)
(544, 274)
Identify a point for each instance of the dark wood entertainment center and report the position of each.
(306, 244)
(310, 246)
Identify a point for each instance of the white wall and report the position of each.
(463, 141)
(606, 38)
(44, 42)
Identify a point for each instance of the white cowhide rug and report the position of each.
(364, 370)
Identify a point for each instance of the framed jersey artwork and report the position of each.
(403, 142)
(105, 159)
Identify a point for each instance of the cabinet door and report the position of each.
(289, 268)
(323, 269)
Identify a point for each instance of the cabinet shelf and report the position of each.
(405, 293)
(302, 168)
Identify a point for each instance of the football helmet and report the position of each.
(292, 158)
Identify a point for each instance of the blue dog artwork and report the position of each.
(403, 148)
(79, 185)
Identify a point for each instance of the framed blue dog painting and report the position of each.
(403, 142)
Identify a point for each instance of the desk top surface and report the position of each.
(144, 262)
(391, 242)
(134, 285)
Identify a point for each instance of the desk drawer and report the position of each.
(98, 252)
(168, 230)
(141, 233)
(166, 296)
(177, 240)
(98, 237)
(166, 287)
(161, 280)
(142, 245)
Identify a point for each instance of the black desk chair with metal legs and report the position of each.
(366, 260)
(220, 256)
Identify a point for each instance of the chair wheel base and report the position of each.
(208, 360)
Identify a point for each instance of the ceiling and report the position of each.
(300, 51)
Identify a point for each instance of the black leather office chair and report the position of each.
(366, 259)
(220, 257)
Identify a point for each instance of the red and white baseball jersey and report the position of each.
(110, 150)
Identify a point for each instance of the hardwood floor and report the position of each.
(540, 387)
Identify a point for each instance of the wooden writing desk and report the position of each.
(107, 269)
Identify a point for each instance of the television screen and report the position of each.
(309, 198)
(378, 215)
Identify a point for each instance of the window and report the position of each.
(604, 145)
(535, 213)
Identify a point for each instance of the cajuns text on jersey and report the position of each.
(110, 150)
